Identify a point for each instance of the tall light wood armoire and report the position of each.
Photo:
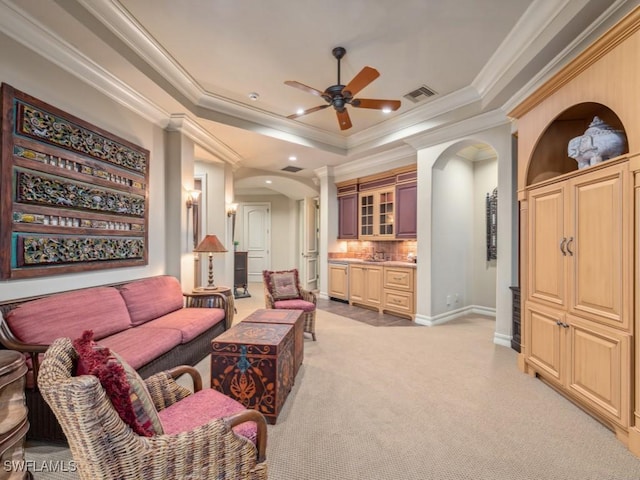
(580, 234)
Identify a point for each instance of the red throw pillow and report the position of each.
(130, 399)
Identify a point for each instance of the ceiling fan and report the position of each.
(339, 96)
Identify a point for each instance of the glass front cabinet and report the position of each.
(377, 210)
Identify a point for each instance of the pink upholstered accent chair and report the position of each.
(282, 290)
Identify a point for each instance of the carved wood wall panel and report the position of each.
(73, 197)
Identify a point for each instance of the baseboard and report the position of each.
(502, 339)
(452, 315)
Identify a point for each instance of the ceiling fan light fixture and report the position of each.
(339, 96)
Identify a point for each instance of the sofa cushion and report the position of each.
(201, 407)
(295, 305)
(152, 298)
(190, 322)
(283, 284)
(68, 314)
(124, 387)
(138, 346)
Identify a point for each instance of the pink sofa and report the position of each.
(145, 321)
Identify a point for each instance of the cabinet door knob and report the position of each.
(568, 244)
(562, 244)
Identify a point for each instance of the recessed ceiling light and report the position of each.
(293, 158)
(386, 110)
(300, 111)
(254, 96)
(268, 181)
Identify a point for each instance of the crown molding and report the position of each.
(558, 72)
(388, 131)
(459, 130)
(21, 27)
(516, 47)
(118, 20)
(191, 129)
(399, 156)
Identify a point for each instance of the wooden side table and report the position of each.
(13, 415)
(208, 297)
(253, 363)
(284, 317)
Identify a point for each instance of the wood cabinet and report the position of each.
(578, 233)
(365, 285)
(348, 217)
(379, 207)
(377, 214)
(406, 208)
(398, 290)
(240, 274)
(386, 288)
(577, 239)
(585, 359)
(339, 281)
(577, 311)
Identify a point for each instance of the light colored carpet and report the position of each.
(419, 403)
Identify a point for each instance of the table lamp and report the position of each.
(210, 244)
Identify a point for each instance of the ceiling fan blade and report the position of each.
(310, 110)
(361, 80)
(375, 103)
(343, 119)
(302, 86)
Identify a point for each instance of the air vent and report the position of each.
(420, 94)
(291, 169)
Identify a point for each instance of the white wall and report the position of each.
(25, 71)
(429, 152)
(485, 179)
(215, 221)
(452, 234)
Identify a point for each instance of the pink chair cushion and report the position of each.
(41, 321)
(295, 305)
(201, 407)
(138, 346)
(151, 298)
(283, 284)
(190, 322)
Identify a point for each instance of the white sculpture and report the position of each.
(600, 142)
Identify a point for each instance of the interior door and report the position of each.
(310, 251)
(256, 221)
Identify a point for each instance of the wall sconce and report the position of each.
(232, 208)
(192, 202)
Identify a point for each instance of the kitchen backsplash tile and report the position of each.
(398, 251)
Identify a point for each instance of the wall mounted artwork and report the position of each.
(73, 197)
(492, 225)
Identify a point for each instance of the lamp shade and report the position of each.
(210, 243)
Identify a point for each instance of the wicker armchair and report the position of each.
(104, 447)
(282, 290)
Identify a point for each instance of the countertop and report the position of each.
(387, 263)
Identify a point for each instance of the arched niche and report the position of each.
(550, 158)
